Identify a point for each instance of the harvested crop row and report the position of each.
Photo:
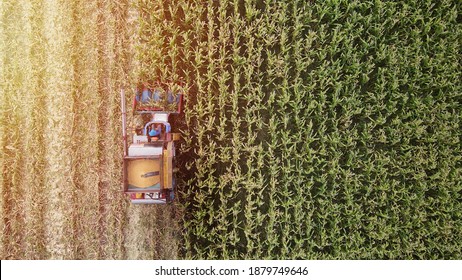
(58, 144)
(12, 214)
(34, 165)
(62, 66)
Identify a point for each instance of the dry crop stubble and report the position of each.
(61, 71)
(84, 131)
(33, 141)
(14, 83)
(58, 86)
(3, 49)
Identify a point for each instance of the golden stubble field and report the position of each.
(62, 65)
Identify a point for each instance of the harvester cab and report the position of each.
(149, 159)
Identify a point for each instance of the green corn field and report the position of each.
(311, 129)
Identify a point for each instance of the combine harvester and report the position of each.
(149, 160)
